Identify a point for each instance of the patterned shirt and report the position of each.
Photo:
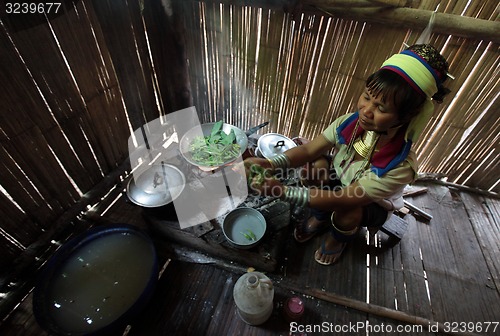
(386, 190)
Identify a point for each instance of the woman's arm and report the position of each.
(351, 196)
(298, 156)
(303, 154)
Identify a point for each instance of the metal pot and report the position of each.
(157, 186)
(271, 144)
(241, 222)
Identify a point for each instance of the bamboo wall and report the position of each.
(74, 87)
(301, 70)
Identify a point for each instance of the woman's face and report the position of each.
(376, 115)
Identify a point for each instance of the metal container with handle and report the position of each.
(271, 144)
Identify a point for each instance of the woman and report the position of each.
(372, 157)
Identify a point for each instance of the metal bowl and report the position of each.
(205, 130)
(95, 283)
(237, 223)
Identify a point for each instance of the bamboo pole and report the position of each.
(372, 309)
(396, 3)
(448, 24)
(436, 180)
(411, 18)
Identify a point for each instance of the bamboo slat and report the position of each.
(319, 71)
(43, 170)
(81, 41)
(61, 100)
(23, 191)
(17, 224)
(483, 215)
(125, 41)
(170, 69)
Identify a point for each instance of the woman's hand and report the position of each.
(264, 163)
(260, 178)
(266, 186)
(256, 167)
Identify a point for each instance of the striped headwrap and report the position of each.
(423, 79)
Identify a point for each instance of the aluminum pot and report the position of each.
(271, 144)
(157, 186)
(244, 227)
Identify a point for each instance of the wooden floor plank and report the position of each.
(453, 261)
(485, 220)
(414, 286)
(459, 249)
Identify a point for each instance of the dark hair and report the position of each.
(392, 86)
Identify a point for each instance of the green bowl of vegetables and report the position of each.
(244, 227)
(213, 145)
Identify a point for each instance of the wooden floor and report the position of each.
(444, 272)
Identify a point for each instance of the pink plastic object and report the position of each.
(294, 308)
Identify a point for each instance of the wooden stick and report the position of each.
(371, 308)
(418, 210)
(460, 187)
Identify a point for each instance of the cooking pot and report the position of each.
(271, 144)
(96, 282)
(244, 227)
(157, 186)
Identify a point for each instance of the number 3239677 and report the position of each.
(474, 327)
(32, 7)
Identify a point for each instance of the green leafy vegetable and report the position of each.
(258, 174)
(215, 149)
(250, 235)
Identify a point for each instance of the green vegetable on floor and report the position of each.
(216, 148)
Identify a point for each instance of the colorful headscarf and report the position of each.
(423, 79)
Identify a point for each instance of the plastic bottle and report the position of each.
(253, 294)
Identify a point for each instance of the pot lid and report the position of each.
(157, 186)
(272, 144)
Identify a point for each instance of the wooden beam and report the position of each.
(461, 187)
(397, 3)
(447, 24)
(379, 11)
